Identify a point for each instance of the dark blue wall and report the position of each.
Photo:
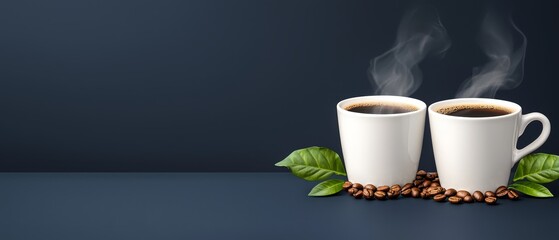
(220, 85)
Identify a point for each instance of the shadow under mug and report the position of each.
(381, 149)
(477, 153)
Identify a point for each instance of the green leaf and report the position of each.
(313, 163)
(532, 189)
(538, 168)
(327, 187)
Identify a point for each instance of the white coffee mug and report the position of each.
(381, 149)
(477, 153)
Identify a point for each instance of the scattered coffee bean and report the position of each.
(432, 191)
(454, 200)
(500, 188)
(450, 192)
(439, 198)
(371, 187)
(431, 175)
(462, 193)
(468, 199)
(426, 194)
(513, 195)
(351, 191)
(489, 194)
(491, 200)
(357, 185)
(503, 193)
(358, 194)
(418, 178)
(435, 184)
(478, 196)
(417, 182)
(415, 192)
(436, 180)
(383, 188)
(426, 183)
(368, 193)
(423, 195)
(407, 192)
(407, 186)
(380, 195)
(392, 194)
(421, 173)
(347, 185)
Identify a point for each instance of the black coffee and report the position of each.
(374, 108)
(475, 111)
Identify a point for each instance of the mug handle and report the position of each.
(546, 129)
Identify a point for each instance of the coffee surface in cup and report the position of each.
(380, 108)
(475, 110)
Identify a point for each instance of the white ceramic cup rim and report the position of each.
(420, 105)
(513, 107)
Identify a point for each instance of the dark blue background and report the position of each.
(218, 85)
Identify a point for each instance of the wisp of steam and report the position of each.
(505, 67)
(396, 71)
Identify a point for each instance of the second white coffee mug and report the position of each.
(477, 153)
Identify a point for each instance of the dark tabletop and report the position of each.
(243, 205)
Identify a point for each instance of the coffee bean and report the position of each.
(351, 191)
(358, 194)
(418, 178)
(489, 194)
(406, 193)
(439, 198)
(395, 187)
(490, 200)
(407, 186)
(468, 199)
(380, 195)
(431, 175)
(513, 195)
(432, 191)
(371, 187)
(450, 192)
(462, 193)
(417, 182)
(368, 193)
(424, 194)
(415, 192)
(392, 194)
(500, 188)
(454, 200)
(436, 180)
(478, 196)
(357, 185)
(347, 185)
(435, 184)
(502, 194)
(383, 188)
(426, 183)
(421, 173)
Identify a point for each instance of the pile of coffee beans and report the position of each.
(426, 185)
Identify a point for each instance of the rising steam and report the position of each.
(505, 67)
(396, 72)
